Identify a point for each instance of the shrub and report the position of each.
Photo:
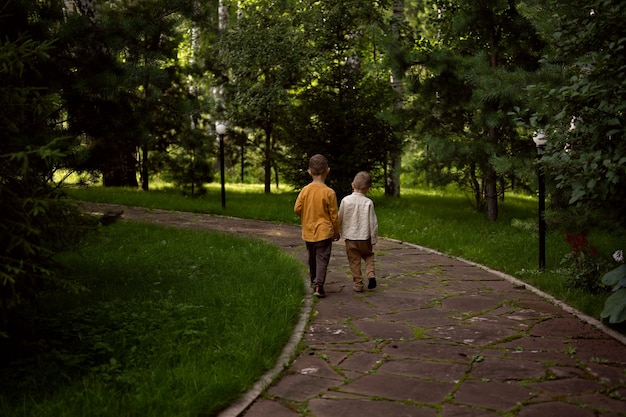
(586, 264)
(615, 305)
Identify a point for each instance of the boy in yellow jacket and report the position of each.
(316, 205)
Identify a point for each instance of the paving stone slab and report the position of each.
(425, 349)
(361, 362)
(314, 366)
(383, 330)
(600, 403)
(394, 301)
(340, 311)
(344, 347)
(475, 334)
(536, 344)
(499, 321)
(505, 370)
(570, 386)
(554, 409)
(331, 333)
(400, 388)
(299, 387)
(567, 327)
(612, 376)
(541, 307)
(562, 372)
(367, 408)
(430, 370)
(268, 408)
(605, 350)
(493, 395)
(471, 303)
(454, 410)
(555, 358)
(423, 317)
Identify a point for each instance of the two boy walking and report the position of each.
(316, 205)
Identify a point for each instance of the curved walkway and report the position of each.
(438, 337)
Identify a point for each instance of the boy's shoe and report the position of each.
(319, 291)
(371, 284)
(357, 289)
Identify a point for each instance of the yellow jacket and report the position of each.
(316, 205)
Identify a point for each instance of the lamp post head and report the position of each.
(220, 129)
(539, 137)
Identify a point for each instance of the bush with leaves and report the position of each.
(615, 305)
(586, 263)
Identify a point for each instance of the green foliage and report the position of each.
(188, 164)
(578, 99)
(585, 264)
(615, 305)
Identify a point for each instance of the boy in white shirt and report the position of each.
(359, 227)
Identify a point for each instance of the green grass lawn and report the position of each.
(172, 323)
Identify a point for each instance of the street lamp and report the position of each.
(221, 130)
(539, 137)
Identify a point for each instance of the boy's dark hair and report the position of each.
(362, 180)
(318, 164)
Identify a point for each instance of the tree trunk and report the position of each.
(491, 185)
(123, 174)
(268, 160)
(392, 187)
(144, 167)
(490, 175)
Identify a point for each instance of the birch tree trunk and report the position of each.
(392, 187)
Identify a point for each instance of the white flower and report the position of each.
(618, 256)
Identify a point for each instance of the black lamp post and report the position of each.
(539, 137)
(221, 130)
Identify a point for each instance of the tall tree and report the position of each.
(264, 52)
(474, 61)
(124, 72)
(339, 106)
(36, 222)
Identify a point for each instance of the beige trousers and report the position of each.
(355, 251)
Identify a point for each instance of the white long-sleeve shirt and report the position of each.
(357, 218)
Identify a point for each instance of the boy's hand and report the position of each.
(336, 237)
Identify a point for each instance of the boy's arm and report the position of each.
(373, 225)
(297, 208)
(334, 216)
(341, 210)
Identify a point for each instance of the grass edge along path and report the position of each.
(167, 315)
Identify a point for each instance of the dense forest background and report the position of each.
(435, 92)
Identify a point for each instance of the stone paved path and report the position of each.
(438, 337)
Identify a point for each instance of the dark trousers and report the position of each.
(319, 256)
